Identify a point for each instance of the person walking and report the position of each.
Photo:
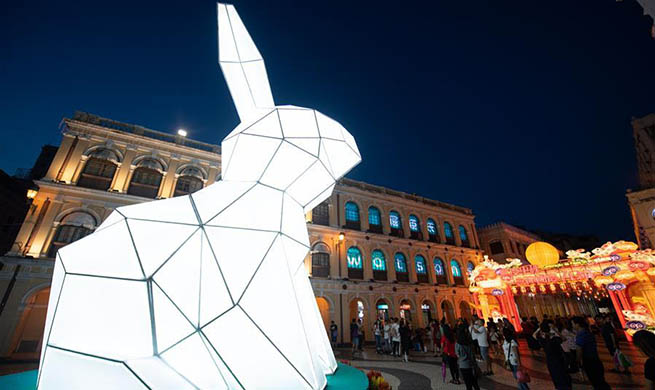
(512, 356)
(405, 338)
(551, 342)
(448, 352)
(465, 358)
(395, 337)
(587, 354)
(479, 334)
(645, 341)
(334, 331)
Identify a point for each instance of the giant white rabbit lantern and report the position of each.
(207, 291)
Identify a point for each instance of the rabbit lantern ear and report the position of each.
(242, 65)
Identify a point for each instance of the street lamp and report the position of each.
(341, 236)
(181, 132)
(31, 193)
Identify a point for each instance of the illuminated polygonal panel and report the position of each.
(68, 370)
(250, 156)
(268, 126)
(178, 210)
(157, 374)
(259, 208)
(261, 303)
(228, 333)
(192, 360)
(247, 50)
(309, 145)
(110, 220)
(108, 252)
(288, 163)
(295, 253)
(168, 236)
(58, 276)
(328, 127)
(215, 298)
(212, 200)
(293, 221)
(318, 199)
(170, 324)
(312, 182)
(179, 277)
(298, 122)
(342, 158)
(103, 317)
(239, 252)
(227, 375)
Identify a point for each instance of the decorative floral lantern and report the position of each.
(552, 287)
(523, 289)
(496, 292)
(611, 270)
(542, 288)
(514, 290)
(624, 275)
(600, 280)
(616, 286)
(542, 254)
(563, 286)
(638, 265)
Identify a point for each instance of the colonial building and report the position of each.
(501, 241)
(375, 251)
(642, 201)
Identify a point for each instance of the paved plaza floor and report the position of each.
(423, 371)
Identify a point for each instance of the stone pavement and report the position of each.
(423, 371)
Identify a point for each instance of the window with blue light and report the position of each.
(462, 234)
(394, 220)
(448, 230)
(354, 257)
(378, 261)
(438, 266)
(374, 216)
(352, 212)
(470, 267)
(413, 223)
(400, 262)
(420, 265)
(455, 268)
(432, 227)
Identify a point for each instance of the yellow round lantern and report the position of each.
(542, 254)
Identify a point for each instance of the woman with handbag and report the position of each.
(465, 358)
(513, 359)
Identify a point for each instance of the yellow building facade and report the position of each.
(375, 252)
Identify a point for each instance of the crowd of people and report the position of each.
(568, 344)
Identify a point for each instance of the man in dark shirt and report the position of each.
(588, 354)
(333, 333)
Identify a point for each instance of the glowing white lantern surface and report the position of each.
(207, 291)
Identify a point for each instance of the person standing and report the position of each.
(448, 352)
(436, 337)
(465, 359)
(512, 356)
(551, 342)
(645, 341)
(405, 338)
(377, 332)
(587, 354)
(568, 345)
(609, 336)
(387, 337)
(479, 334)
(354, 335)
(395, 337)
(334, 331)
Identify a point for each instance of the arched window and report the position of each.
(355, 265)
(440, 271)
(400, 263)
(469, 267)
(433, 234)
(71, 228)
(320, 260)
(421, 269)
(396, 224)
(464, 236)
(99, 170)
(415, 228)
(352, 216)
(448, 232)
(374, 220)
(456, 270)
(379, 265)
(146, 179)
(321, 214)
(189, 181)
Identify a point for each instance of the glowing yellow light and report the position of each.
(624, 275)
(341, 236)
(651, 271)
(542, 254)
(31, 194)
(603, 280)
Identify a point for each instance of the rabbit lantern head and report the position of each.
(294, 149)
